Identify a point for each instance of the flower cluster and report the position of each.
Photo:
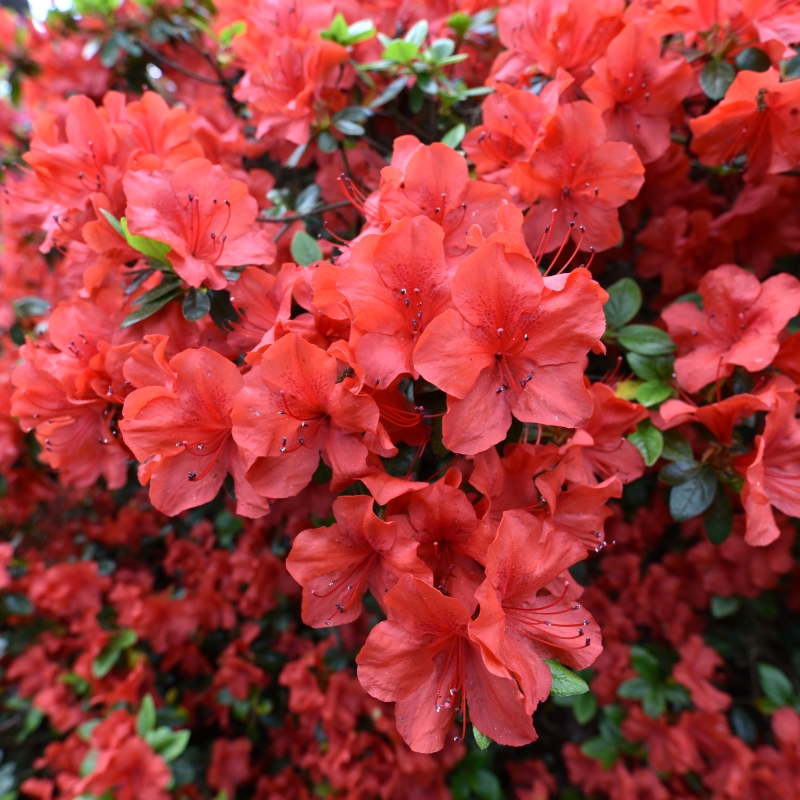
(379, 381)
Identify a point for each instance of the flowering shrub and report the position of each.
(399, 400)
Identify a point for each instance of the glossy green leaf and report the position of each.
(196, 304)
(753, 59)
(624, 302)
(775, 685)
(305, 249)
(146, 246)
(481, 739)
(653, 393)
(648, 440)
(716, 77)
(455, 135)
(718, 517)
(565, 681)
(694, 496)
(646, 340)
(146, 718)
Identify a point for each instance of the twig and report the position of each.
(315, 212)
(176, 66)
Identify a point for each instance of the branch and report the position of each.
(175, 65)
(314, 213)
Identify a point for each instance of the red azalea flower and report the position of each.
(637, 90)
(287, 85)
(772, 472)
(760, 117)
(335, 565)
(521, 625)
(738, 324)
(426, 660)
(452, 544)
(396, 283)
(586, 178)
(580, 511)
(548, 34)
(263, 301)
(293, 410)
(599, 446)
(513, 344)
(181, 431)
(205, 217)
(720, 418)
(695, 669)
(434, 181)
(514, 122)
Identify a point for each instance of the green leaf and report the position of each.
(486, 785)
(307, 199)
(442, 48)
(648, 440)
(722, 607)
(196, 305)
(167, 743)
(645, 664)
(337, 32)
(89, 763)
(84, 730)
(459, 22)
(113, 222)
(753, 59)
(7, 781)
(455, 135)
(718, 517)
(17, 604)
(228, 34)
(565, 681)
(427, 84)
(417, 33)
(584, 707)
(305, 249)
(348, 127)
(678, 472)
(677, 695)
(297, 154)
(676, 447)
(109, 54)
(326, 142)
(354, 114)
(633, 689)
(110, 654)
(694, 496)
(390, 92)
(400, 52)
(653, 393)
(602, 750)
(651, 368)
(481, 739)
(360, 31)
(624, 302)
(646, 340)
(146, 246)
(654, 702)
(170, 285)
(30, 307)
(146, 718)
(775, 685)
(743, 725)
(416, 99)
(716, 77)
(791, 68)
(147, 310)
